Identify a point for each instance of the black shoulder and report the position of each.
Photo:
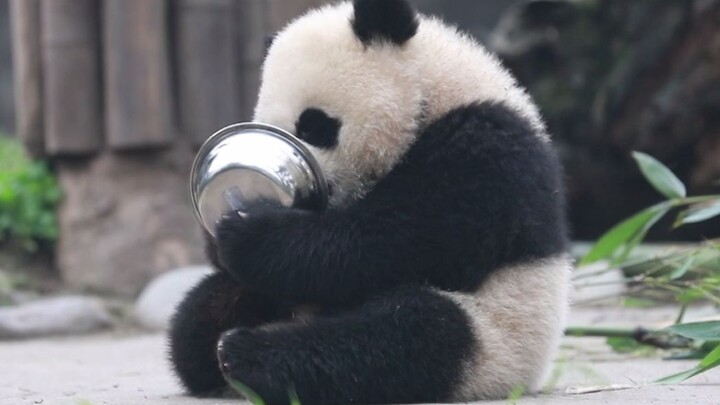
(483, 187)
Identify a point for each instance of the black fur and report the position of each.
(384, 20)
(317, 128)
(215, 305)
(406, 347)
(478, 190)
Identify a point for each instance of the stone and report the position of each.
(158, 301)
(67, 315)
(126, 218)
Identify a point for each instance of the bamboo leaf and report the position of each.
(682, 270)
(699, 213)
(294, 399)
(659, 176)
(710, 361)
(693, 354)
(635, 240)
(246, 391)
(679, 377)
(627, 233)
(624, 344)
(697, 330)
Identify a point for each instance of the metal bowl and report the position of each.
(250, 163)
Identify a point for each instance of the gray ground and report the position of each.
(132, 369)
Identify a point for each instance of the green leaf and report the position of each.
(623, 344)
(694, 354)
(294, 399)
(697, 330)
(659, 176)
(682, 270)
(699, 213)
(628, 233)
(630, 245)
(516, 394)
(28, 197)
(246, 391)
(689, 295)
(710, 361)
(679, 377)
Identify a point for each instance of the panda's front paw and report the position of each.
(235, 241)
(247, 244)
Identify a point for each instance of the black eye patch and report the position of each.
(317, 128)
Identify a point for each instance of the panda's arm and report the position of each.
(478, 189)
(338, 257)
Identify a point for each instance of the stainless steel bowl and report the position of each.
(253, 162)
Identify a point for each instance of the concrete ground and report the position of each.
(132, 369)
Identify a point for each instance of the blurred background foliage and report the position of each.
(29, 194)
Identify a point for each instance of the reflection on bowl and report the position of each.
(250, 163)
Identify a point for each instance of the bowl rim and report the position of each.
(271, 130)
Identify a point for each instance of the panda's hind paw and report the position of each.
(246, 368)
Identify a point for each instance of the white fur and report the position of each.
(379, 92)
(456, 70)
(518, 317)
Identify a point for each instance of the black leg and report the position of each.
(405, 347)
(215, 305)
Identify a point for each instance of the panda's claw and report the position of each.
(242, 361)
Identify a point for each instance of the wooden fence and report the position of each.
(117, 94)
(95, 75)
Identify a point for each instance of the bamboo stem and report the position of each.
(578, 331)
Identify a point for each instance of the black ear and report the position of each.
(385, 20)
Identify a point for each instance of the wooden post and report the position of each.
(137, 81)
(258, 20)
(207, 66)
(27, 64)
(281, 12)
(251, 47)
(71, 68)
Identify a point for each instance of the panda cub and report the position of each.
(439, 272)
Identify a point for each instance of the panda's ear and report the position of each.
(384, 20)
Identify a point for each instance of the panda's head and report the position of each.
(340, 79)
